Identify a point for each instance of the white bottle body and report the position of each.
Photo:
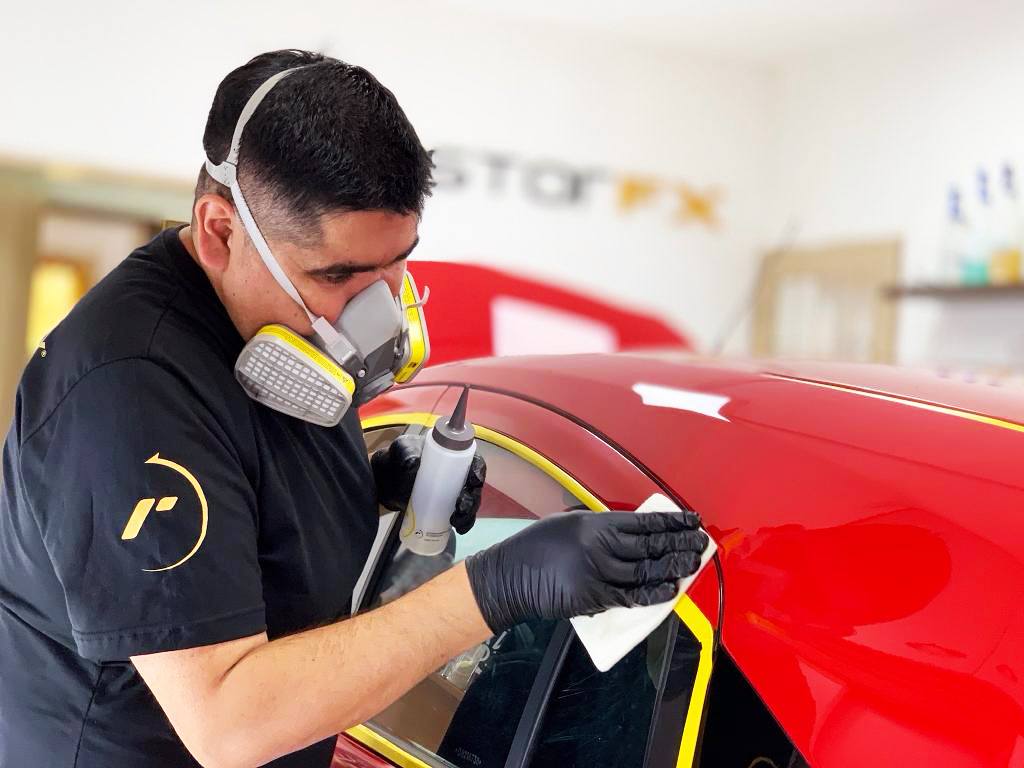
(439, 481)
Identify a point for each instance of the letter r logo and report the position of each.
(141, 511)
(144, 506)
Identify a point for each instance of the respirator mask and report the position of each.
(378, 340)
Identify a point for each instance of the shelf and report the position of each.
(952, 291)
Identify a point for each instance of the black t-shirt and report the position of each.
(148, 505)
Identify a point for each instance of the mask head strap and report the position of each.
(227, 174)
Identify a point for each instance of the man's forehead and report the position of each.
(361, 240)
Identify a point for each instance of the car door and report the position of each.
(531, 696)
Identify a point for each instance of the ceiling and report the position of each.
(751, 30)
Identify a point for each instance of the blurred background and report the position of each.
(784, 178)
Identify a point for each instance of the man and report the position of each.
(176, 559)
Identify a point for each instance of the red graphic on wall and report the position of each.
(476, 311)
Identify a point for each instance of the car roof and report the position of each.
(648, 404)
(573, 382)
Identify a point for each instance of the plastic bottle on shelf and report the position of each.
(1005, 261)
(974, 266)
(955, 240)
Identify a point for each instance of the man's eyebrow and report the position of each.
(344, 268)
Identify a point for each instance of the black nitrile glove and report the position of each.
(394, 472)
(581, 563)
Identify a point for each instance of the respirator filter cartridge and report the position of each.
(284, 371)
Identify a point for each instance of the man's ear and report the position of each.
(211, 232)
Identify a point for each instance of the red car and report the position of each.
(865, 607)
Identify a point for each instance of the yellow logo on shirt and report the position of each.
(144, 506)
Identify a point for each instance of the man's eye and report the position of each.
(336, 279)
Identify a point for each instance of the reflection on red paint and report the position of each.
(782, 565)
(349, 753)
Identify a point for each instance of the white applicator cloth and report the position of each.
(608, 636)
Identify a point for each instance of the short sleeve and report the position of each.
(146, 512)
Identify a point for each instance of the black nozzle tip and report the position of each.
(455, 432)
(457, 421)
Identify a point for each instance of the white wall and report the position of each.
(121, 85)
(868, 140)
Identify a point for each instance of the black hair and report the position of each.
(328, 138)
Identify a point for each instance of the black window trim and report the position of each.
(532, 718)
(670, 647)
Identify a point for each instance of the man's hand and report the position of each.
(394, 472)
(581, 563)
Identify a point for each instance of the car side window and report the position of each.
(467, 712)
(597, 718)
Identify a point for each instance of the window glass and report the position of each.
(597, 718)
(381, 438)
(467, 712)
(674, 707)
(516, 489)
